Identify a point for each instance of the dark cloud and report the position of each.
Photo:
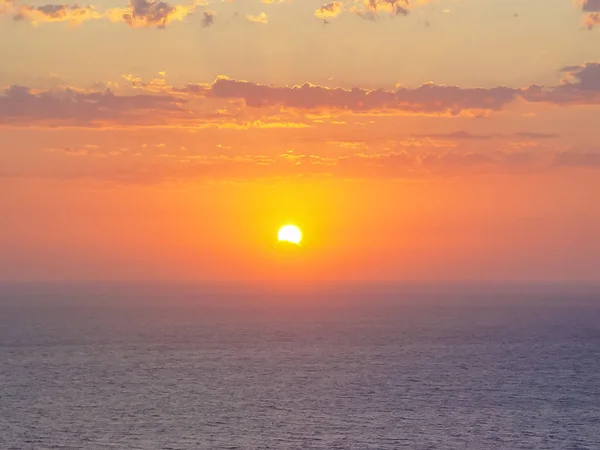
(52, 11)
(428, 98)
(208, 18)
(139, 13)
(592, 8)
(21, 104)
(582, 86)
(148, 12)
(587, 75)
(193, 89)
(151, 13)
(590, 5)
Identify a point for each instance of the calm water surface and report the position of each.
(170, 368)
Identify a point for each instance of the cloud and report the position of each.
(158, 13)
(21, 105)
(592, 8)
(69, 151)
(193, 89)
(259, 18)
(208, 18)
(581, 86)
(169, 165)
(228, 102)
(534, 135)
(139, 13)
(370, 9)
(428, 98)
(589, 5)
(154, 85)
(150, 13)
(590, 20)
(398, 164)
(72, 14)
(456, 160)
(329, 10)
(461, 135)
(56, 13)
(367, 9)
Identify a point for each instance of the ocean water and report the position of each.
(171, 367)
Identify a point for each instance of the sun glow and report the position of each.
(290, 233)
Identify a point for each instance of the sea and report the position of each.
(387, 366)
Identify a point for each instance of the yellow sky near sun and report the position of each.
(490, 229)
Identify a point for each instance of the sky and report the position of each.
(410, 140)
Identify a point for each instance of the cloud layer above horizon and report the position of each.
(242, 126)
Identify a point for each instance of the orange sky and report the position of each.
(441, 140)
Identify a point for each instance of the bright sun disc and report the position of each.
(290, 233)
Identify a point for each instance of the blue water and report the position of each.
(89, 367)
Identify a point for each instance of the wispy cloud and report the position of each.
(172, 165)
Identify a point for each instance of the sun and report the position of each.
(290, 233)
